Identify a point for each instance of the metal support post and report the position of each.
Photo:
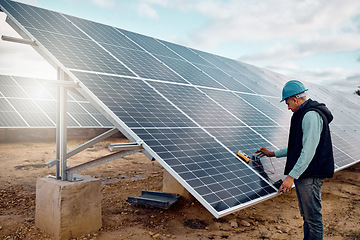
(61, 128)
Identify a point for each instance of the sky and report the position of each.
(310, 40)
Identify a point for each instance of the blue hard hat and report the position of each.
(292, 88)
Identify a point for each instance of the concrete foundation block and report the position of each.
(171, 185)
(68, 210)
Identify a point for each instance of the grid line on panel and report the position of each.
(41, 19)
(185, 53)
(247, 140)
(196, 105)
(134, 57)
(9, 116)
(144, 65)
(32, 104)
(192, 75)
(350, 151)
(265, 105)
(80, 53)
(101, 33)
(134, 102)
(214, 60)
(224, 79)
(343, 159)
(150, 44)
(31, 113)
(239, 107)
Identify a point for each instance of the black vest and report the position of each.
(322, 164)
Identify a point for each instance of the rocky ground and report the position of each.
(22, 163)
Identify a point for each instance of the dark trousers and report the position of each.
(308, 191)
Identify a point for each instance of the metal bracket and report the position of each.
(60, 83)
(124, 146)
(18, 40)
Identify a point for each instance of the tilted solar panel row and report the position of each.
(192, 110)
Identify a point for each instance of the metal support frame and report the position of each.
(124, 146)
(62, 171)
(61, 128)
(18, 40)
(101, 160)
(64, 84)
(85, 145)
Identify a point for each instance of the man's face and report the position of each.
(292, 103)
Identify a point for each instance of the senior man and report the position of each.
(309, 155)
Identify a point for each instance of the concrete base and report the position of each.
(171, 185)
(68, 209)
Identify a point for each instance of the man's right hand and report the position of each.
(264, 152)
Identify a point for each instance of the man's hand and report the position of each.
(286, 185)
(265, 152)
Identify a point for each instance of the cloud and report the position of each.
(290, 19)
(342, 79)
(148, 8)
(30, 2)
(104, 3)
(287, 49)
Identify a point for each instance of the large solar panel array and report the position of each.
(192, 110)
(29, 103)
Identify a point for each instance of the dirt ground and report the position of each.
(22, 163)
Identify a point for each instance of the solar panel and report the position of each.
(27, 102)
(192, 110)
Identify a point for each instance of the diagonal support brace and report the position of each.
(70, 171)
(85, 145)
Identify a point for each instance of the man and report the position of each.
(309, 155)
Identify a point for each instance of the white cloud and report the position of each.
(104, 3)
(342, 79)
(304, 27)
(287, 49)
(30, 2)
(285, 19)
(147, 8)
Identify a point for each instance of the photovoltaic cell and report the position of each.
(193, 110)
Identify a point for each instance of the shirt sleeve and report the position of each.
(312, 126)
(281, 152)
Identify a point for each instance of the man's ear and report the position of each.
(296, 100)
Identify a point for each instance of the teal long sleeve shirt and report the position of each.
(312, 125)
